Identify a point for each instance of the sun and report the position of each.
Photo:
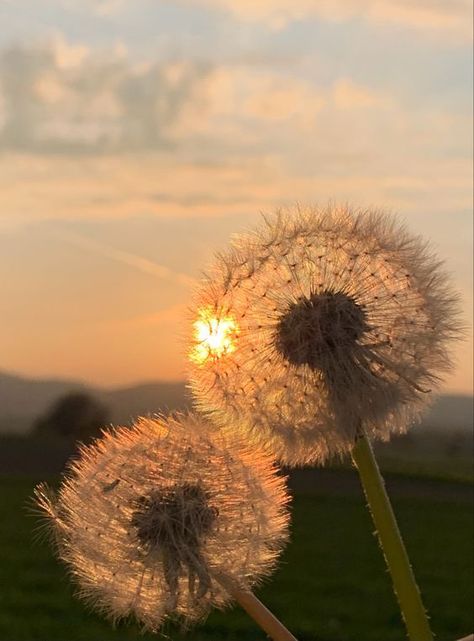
(214, 336)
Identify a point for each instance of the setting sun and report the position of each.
(214, 336)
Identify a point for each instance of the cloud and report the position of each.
(36, 188)
(98, 7)
(59, 97)
(453, 17)
(450, 17)
(252, 108)
(185, 139)
(71, 99)
(346, 94)
(126, 185)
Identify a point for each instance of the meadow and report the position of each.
(331, 584)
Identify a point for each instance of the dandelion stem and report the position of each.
(396, 557)
(257, 611)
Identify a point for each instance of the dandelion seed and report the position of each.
(343, 318)
(148, 516)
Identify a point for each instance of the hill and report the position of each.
(24, 399)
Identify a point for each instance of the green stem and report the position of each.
(406, 589)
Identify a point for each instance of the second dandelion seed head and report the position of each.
(147, 517)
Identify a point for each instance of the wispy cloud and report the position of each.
(335, 162)
(125, 258)
(131, 185)
(451, 17)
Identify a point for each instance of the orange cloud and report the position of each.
(69, 188)
(450, 17)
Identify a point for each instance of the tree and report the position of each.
(76, 416)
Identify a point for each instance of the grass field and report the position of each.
(331, 586)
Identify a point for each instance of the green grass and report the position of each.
(332, 584)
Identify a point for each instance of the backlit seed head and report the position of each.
(148, 516)
(343, 317)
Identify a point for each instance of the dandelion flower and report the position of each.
(316, 323)
(147, 517)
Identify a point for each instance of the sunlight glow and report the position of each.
(214, 336)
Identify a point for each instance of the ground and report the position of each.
(331, 585)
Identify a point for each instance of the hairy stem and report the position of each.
(406, 589)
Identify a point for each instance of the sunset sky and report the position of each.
(137, 135)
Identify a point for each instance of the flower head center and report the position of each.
(175, 519)
(314, 330)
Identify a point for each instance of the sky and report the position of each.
(136, 136)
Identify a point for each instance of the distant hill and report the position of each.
(23, 399)
(28, 396)
(148, 398)
(451, 410)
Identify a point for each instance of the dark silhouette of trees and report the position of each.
(76, 416)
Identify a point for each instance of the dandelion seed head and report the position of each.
(147, 516)
(344, 318)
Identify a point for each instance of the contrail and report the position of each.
(126, 258)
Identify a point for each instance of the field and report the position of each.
(331, 585)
